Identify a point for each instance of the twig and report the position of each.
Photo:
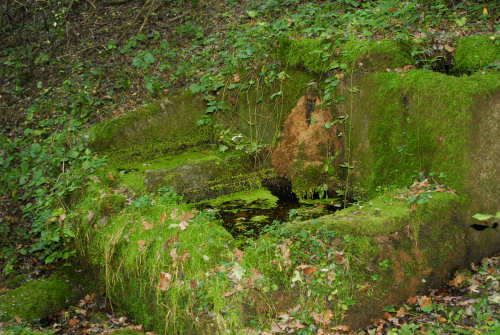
(116, 3)
(147, 15)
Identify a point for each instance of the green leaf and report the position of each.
(483, 217)
(149, 58)
(252, 14)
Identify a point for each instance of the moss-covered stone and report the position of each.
(375, 55)
(37, 299)
(159, 128)
(418, 121)
(475, 52)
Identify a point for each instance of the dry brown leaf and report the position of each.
(441, 319)
(285, 252)
(307, 269)
(183, 225)
(236, 78)
(90, 216)
(184, 257)
(173, 214)
(238, 254)
(186, 216)
(457, 281)
(147, 225)
(342, 328)
(141, 244)
(173, 254)
(412, 300)
(449, 48)
(163, 217)
(73, 322)
(323, 318)
(18, 319)
(401, 312)
(165, 279)
(425, 301)
(110, 176)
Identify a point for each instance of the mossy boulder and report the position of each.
(375, 55)
(37, 299)
(158, 128)
(475, 52)
(208, 179)
(444, 127)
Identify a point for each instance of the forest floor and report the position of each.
(88, 61)
(467, 304)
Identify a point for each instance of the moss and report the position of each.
(159, 128)
(305, 181)
(418, 121)
(262, 195)
(126, 332)
(310, 54)
(129, 259)
(27, 332)
(382, 215)
(111, 204)
(15, 281)
(475, 52)
(375, 55)
(37, 299)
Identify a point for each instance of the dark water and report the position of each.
(247, 220)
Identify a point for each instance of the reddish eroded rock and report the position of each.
(309, 138)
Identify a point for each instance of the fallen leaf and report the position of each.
(90, 216)
(441, 319)
(449, 48)
(412, 300)
(147, 225)
(425, 302)
(110, 176)
(401, 312)
(184, 257)
(173, 214)
(307, 269)
(165, 279)
(285, 252)
(457, 281)
(342, 328)
(323, 318)
(236, 78)
(238, 254)
(18, 319)
(183, 225)
(173, 254)
(141, 244)
(163, 217)
(186, 216)
(73, 322)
